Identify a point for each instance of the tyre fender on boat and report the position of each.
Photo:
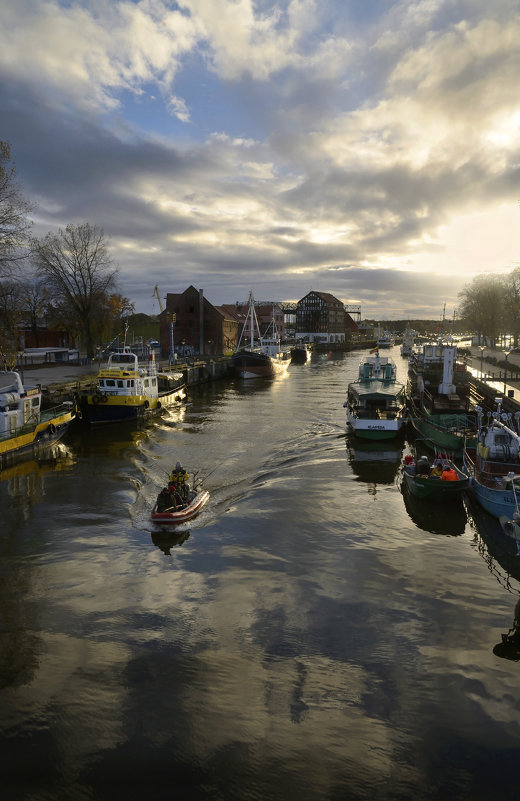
(146, 404)
(103, 398)
(51, 429)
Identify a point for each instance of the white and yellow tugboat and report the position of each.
(27, 431)
(128, 391)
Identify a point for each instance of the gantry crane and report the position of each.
(171, 318)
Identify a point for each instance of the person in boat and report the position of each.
(167, 500)
(437, 470)
(180, 477)
(423, 466)
(449, 474)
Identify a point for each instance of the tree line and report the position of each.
(65, 279)
(490, 306)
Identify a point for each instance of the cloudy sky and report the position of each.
(367, 148)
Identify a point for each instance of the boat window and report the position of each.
(101, 382)
(154, 382)
(131, 383)
(120, 383)
(146, 382)
(35, 402)
(110, 382)
(122, 358)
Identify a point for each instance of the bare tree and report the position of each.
(482, 305)
(512, 303)
(10, 319)
(34, 299)
(14, 223)
(78, 271)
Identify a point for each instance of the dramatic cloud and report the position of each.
(368, 150)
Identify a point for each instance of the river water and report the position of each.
(313, 634)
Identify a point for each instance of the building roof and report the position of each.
(326, 296)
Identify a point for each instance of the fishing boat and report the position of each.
(493, 462)
(376, 402)
(178, 511)
(301, 352)
(439, 397)
(27, 430)
(423, 481)
(265, 355)
(127, 390)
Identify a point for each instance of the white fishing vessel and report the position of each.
(376, 402)
(27, 430)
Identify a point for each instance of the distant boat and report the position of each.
(126, 390)
(26, 430)
(301, 352)
(376, 402)
(265, 355)
(386, 339)
(408, 342)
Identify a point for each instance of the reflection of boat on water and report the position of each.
(166, 539)
(493, 546)
(498, 543)
(437, 518)
(509, 646)
(372, 461)
(26, 478)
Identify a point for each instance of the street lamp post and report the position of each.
(481, 361)
(505, 371)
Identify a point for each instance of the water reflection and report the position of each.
(493, 544)
(509, 646)
(166, 539)
(504, 566)
(374, 462)
(448, 519)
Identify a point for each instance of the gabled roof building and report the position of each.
(320, 317)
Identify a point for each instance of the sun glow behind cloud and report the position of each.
(287, 139)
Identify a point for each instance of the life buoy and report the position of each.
(52, 429)
(159, 405)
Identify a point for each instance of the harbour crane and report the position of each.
(171, 318)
